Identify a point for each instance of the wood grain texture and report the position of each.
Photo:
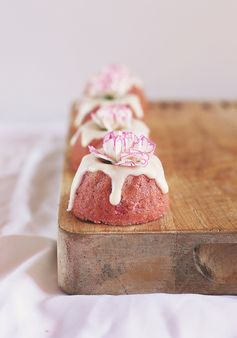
(183, 251)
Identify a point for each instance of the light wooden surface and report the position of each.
(193, 248)
(197, 146)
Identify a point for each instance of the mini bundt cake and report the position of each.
(108, 118)
(114, 84)
(122, 183)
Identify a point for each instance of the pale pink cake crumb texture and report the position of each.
(142, 200)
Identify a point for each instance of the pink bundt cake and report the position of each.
(122, 183)
(142, 200)
(114, 84)
(113, 81)
(108, 118)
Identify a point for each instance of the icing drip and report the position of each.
(88, 104)
(118, 175)
(89, 131)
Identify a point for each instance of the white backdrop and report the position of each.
(182, 49)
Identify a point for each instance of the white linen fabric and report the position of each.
(31, 304)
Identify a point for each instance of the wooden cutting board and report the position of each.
(193, 249)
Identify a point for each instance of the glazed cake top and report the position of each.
(108, 118)
(123, 154)
(88, 104)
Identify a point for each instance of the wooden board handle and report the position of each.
(217, 262)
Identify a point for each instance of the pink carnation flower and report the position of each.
(113, 117)
(113, 81)
(124, 148)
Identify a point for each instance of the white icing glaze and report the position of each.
(88, 104)
(89, 131)
(118, 174)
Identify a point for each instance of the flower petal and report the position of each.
(134, 158)
(100, 154)
(145, 145)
